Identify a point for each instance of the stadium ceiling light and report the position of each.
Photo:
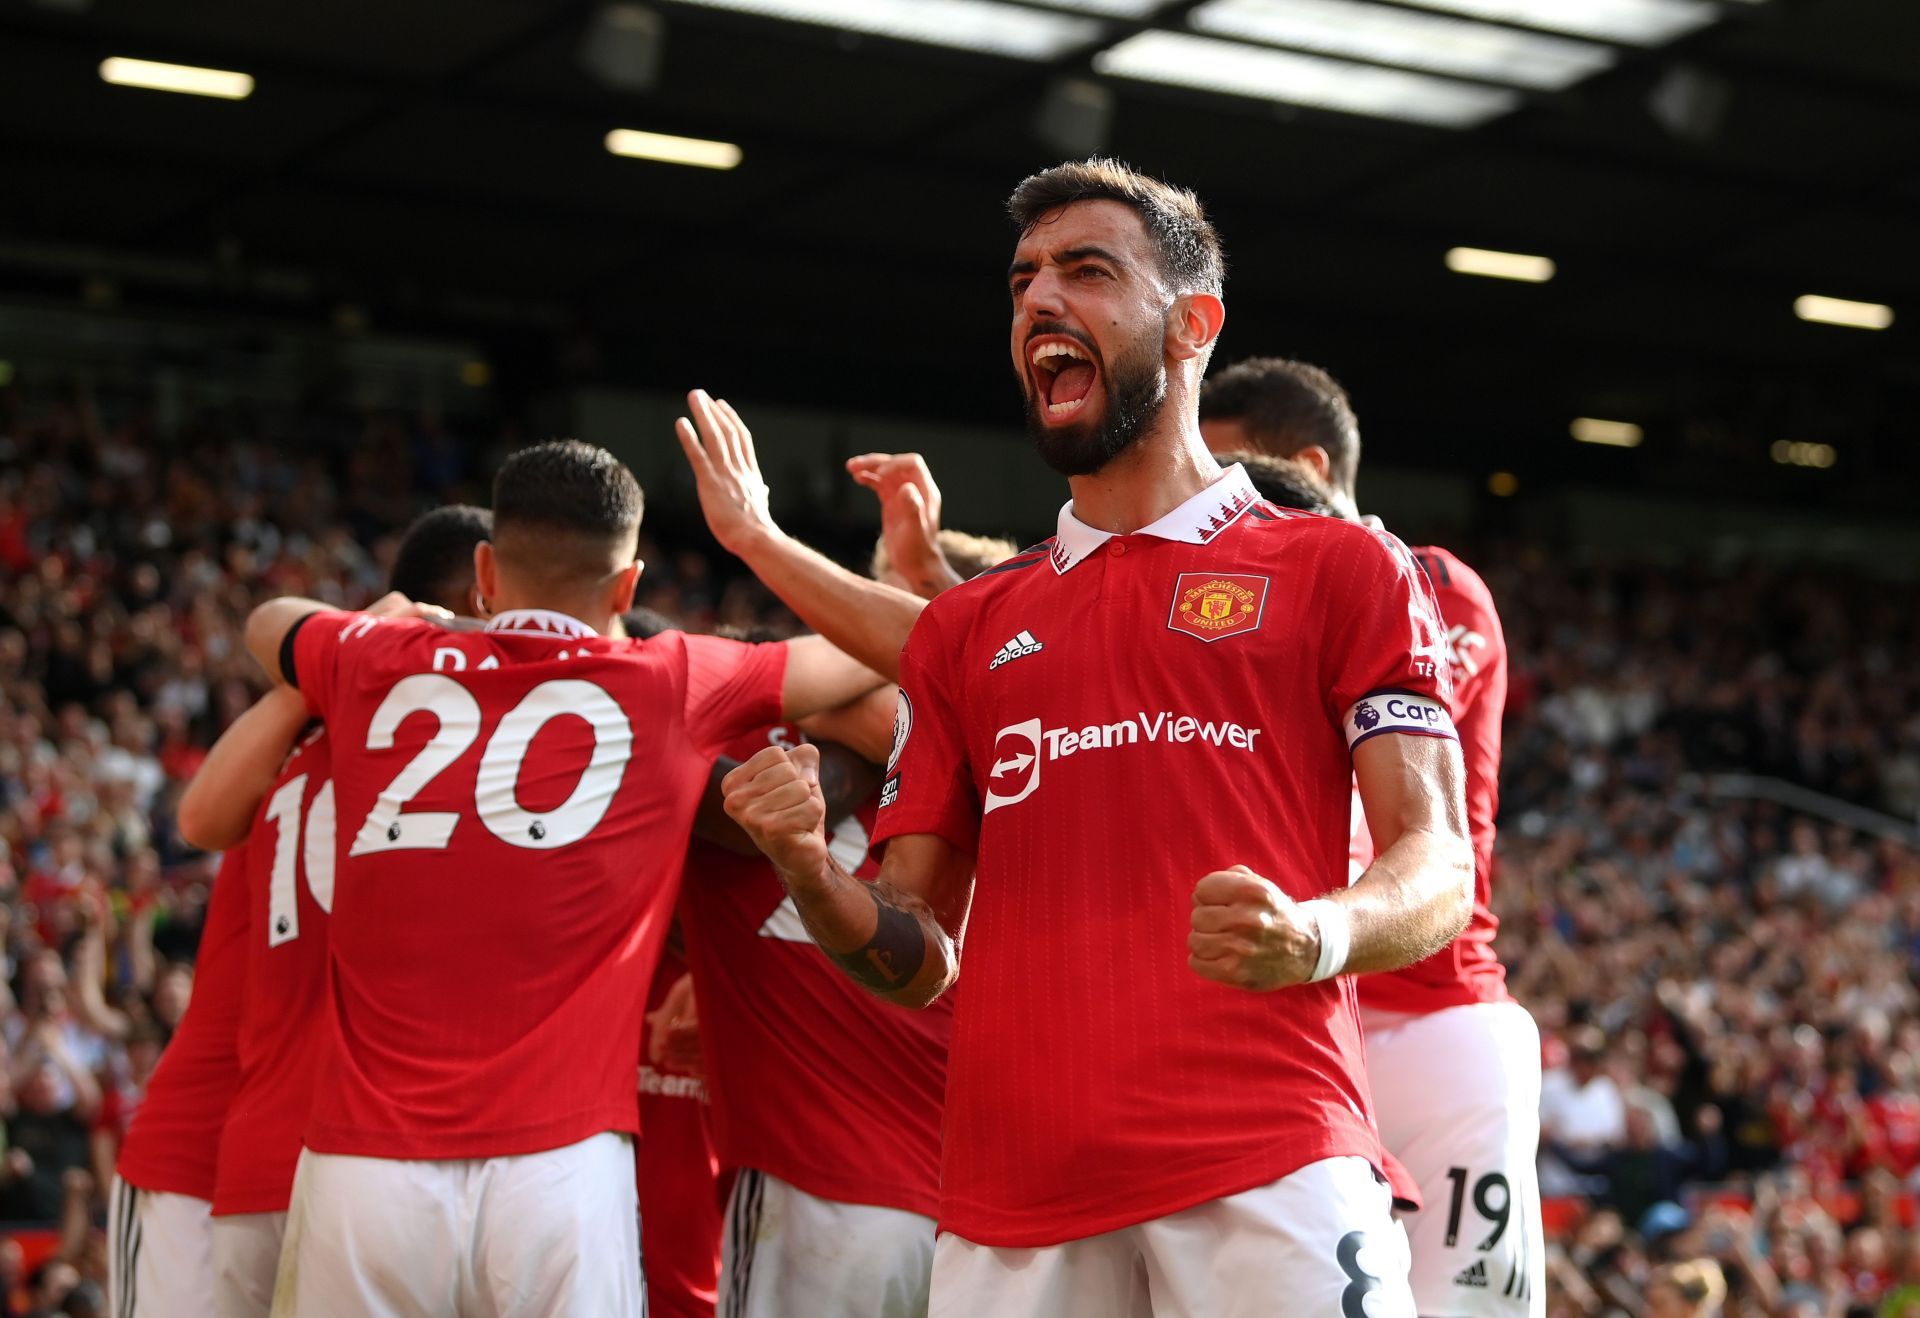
(1209, 64)
(1399, 36)
(1500, 265)
(154, 76)
(983, 25)
(671, 150)
(1111, 8)
(1797, 454)
(1618, 434)
(1631, 22)
(1839, 311)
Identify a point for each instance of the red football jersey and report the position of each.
(289, 876)
(679, 1180)
(1102, 721)
(1466, 970)
(806, 1065)
(175, 1137)
(513, 806)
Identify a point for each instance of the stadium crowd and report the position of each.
(1731, 1114)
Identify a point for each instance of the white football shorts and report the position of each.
(784, 1252)
(554, 1234)
(1321, 1240)
(1457, 1095)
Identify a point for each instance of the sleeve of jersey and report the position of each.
(310, 656)
(733, 688)
(929, 785)
(1474, 642)
(1385, 653)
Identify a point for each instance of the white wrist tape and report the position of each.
(1336, 936)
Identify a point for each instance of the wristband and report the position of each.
(1335, 928)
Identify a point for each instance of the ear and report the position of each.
(1194, 325)
(625, 582)
(1319, 459)
(486, 574)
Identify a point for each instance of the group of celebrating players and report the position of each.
(1200, 786)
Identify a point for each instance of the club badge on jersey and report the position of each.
(1214, 607)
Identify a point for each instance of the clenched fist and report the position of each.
(1249, 934)
(775, 797)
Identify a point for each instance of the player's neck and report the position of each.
(1169, 465)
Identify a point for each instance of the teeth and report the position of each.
(1044, 355)
(1061, 409)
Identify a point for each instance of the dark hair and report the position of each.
(434, 563)
(1287, 482)
(565, 509)
(644, 624)
(1183, 238)
(1286, 406)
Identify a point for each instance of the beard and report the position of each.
(1135, 388)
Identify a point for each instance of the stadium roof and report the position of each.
(443, 166)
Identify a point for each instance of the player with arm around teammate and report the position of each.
(289, 882)
(1454, 1060)
(1153, 793)
(510, 805)
(163, 1245)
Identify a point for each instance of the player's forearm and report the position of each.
(867, 619)
(217, 808)
(1413, 900)
(268, 625)
(885, 940)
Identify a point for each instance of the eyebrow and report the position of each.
(1087, 252)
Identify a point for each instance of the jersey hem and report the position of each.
(191, 1187)
(397, 1146)
(1024, 1230)
(836, 1190)
(253, 1199)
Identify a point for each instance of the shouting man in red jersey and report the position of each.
(1121, 775)
(511, 806)
(1470, 1142)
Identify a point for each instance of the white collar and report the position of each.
(1195, 522)
(540, 620)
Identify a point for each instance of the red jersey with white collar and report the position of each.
(1467, 970)
(289, 880)
(512, 808)
(1101, 721)
(679, 1179)
(174, 1140)
(806, 1065)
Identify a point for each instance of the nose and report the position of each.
(1043, 298)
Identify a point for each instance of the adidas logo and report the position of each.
(1018, 648)
(1475, 1276)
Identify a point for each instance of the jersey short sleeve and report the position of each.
(929, 782)
(732, 689)
(1476, 646)
(1383, 664)
(311, 657)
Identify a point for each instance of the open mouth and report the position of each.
(1064, 374)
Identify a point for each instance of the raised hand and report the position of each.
(1248, 934)
(909, 517)
(776, 798)
(726, 471)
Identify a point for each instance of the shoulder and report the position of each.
(1291, 531)
(1010, 576)
(1454, 582)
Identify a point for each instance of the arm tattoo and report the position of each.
(893, 956)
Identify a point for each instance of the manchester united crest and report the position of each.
(1212, 606)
